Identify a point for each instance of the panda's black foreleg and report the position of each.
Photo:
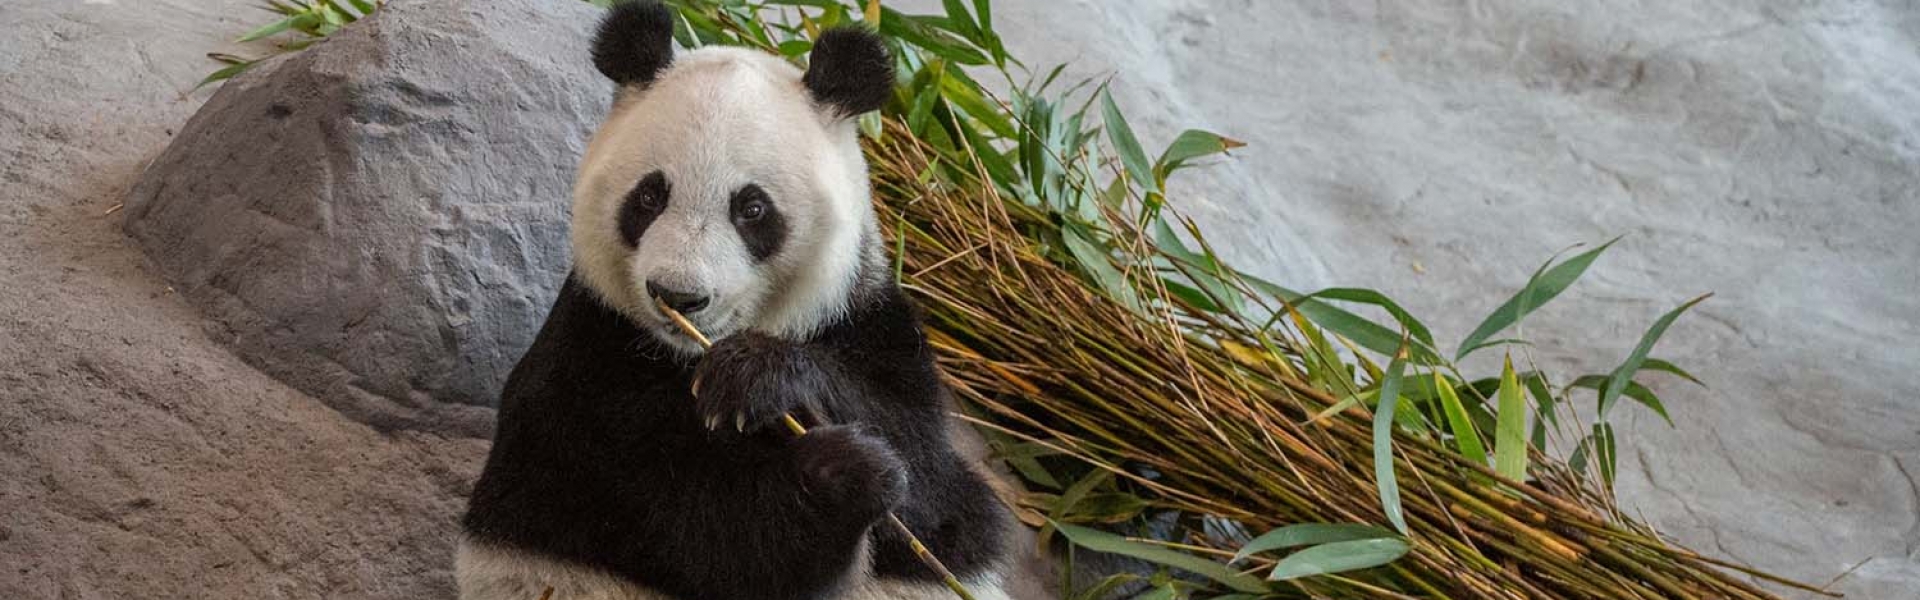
(749, 382)
(773, 521)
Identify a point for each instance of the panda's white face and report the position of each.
(723, 188)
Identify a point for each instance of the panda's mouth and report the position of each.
(706, 327)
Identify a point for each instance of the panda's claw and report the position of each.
(713, 422)
(740, 422)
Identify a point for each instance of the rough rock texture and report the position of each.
(1765, 150)
(139, 458)
(381, 223)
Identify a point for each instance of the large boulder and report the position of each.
(380, 220)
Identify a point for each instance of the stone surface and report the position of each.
(139, 458)
(381, 222)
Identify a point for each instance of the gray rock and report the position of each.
(380, 221)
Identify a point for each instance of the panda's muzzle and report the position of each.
(685, 303)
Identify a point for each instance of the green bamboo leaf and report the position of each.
(1309, 534)
(1120, 135)
(1424, 349)
(272, 28)
(1655, 364)
(1094, 260)
(1509, 436)
(1164, 592)
(1542, 287)
(792, 48)
(332, 15)
(1465, 436)
(1204, 270)
(1543, 397)
(1023, 457)
(1189, 145)
(1339, 557)
(961, 20)
(1633, 390)
(1106, 587)
(1079, 491)
(224, 74)
(915, 32)
(926, 94)
(1624, 373)
(1101, 541)
(1190, 295)
(1497, 342)
(1383, 442)
(1603, 451)
(962, 91)
(1578, 460)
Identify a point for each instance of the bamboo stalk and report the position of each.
(920, 550)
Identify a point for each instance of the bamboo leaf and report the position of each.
(1101, 541)
(1309, 534)
(1509, 437)
(1383, 475)
(1132, 157)
(1655, 364)
(272, 28)
(1094, 260)
(1624, 373)
(1542, 287)
(1189, 145)
(1366, 333)
(792, 48)
(1603, 451)
(224, 73)
(1338, 557)
(1633, 390)
(1418, 330)
(1465, 436)
(918, 34)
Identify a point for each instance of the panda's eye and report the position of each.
(750, 211)
(644, 202)
(758, 220)
(651, 201)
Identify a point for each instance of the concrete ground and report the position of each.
(1765, 151)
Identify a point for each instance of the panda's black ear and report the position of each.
(850, 71)
(635, 42)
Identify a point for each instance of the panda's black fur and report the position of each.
(602, 457)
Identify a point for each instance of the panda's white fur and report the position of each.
(718, 119)
(715, 120)
(487, 572)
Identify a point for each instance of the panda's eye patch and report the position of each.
(643, 204)
(758, 221)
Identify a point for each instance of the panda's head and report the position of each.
(727, 183)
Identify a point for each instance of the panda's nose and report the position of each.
(685, 303)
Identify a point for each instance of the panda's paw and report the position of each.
(850, 471)
(748, 382)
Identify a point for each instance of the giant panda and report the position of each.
(727, 184)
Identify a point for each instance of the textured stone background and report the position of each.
(1766, 151)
